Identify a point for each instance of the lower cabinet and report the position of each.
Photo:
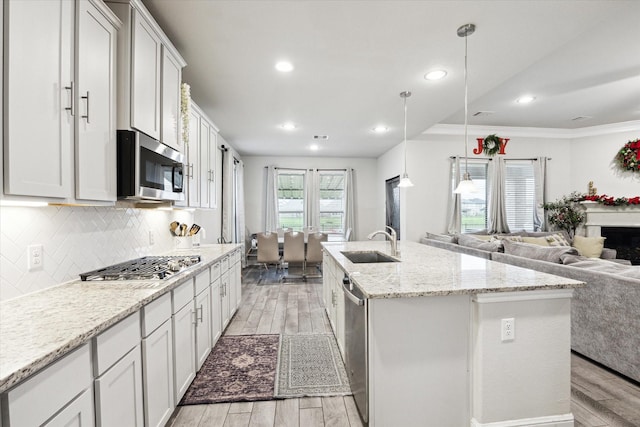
(224, 299)
(61, 393)
(203, 326)
(216, 316)
(184, 349)
(334, 299)
(119, 393)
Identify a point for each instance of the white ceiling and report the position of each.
(353, 58)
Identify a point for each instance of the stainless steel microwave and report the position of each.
(148, 169)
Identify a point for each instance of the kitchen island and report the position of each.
(437, 350)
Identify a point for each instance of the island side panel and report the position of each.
(526, 381)
(419, 361)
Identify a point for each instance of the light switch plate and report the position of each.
(34, 257)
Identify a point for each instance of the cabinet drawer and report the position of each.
(37, 399)
(155, 314)
(115, 342)
(224, 264)
(236, 257)
(182, 295)
(215, 271)
(202, 282)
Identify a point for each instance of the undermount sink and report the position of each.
(368, 257)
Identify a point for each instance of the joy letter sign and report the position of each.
(491, 145)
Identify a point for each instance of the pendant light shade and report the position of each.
(466, 185)
(405, 181)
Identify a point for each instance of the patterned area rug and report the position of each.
(310, 365)
(239, 368)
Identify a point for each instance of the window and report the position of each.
(291, 199)
(520, 194)
(473, 206)
(332, 202)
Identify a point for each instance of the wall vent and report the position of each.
(483, 113)
(580, 118)
(321, 137)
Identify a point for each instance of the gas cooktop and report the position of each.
(145, 268)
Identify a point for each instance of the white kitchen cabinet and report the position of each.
(333, 295)
(225, 312)
(216, 312)
(140, 74)
(184, 339)
(170, 95)
(95, 157)
(203, 325)
(157, 361)
(208, 148)
(53, 392)
(193, 160)
(238, 277)
(51, 109)
(117, 366)
(39, 96)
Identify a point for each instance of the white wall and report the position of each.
(365, 187)
(591, 160)
(424, 206)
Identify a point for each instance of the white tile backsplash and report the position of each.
(76, 240)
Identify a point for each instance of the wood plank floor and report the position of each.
(269, 306)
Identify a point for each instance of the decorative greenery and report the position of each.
(613, 201)
(566, 212)
(185, 109)
(491, 145)
(628, 158)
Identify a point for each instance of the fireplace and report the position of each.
(625, 240)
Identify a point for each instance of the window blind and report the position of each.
(519, 194)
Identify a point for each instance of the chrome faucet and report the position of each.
(392, 236)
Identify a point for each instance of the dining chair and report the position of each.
(293, 251)
(268, 252)
(314, 252)
(308, 230)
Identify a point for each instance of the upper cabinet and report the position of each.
(149, 75)
(59, 100)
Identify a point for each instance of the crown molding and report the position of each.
(531, 132)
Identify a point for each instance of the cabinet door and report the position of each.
(96, 138)
(216, 314)
(119, 393)
(238, 283)
(145, 77)
(157, 363)
(79, 413)
(39, 98)
(193, 168)
(171, 77)
(184, 350)
(224, 289)
(204, 163)
(203, 326)
(211, 162)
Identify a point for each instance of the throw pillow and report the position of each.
(512, 238)
(557, 240)
(541, 253)
(590, 247)
(540, 241)
(475, 243)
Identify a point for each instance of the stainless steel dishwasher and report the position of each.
(356, 345)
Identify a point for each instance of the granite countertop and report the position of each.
(38, 328)
(428, 271)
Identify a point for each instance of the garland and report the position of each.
(613, 201)
(491, 145)
(628, 158)
(185, 108)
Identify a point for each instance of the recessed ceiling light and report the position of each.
(284, 66)
(321, 137)
(525, 99)
(314, 147)
(380, 129)
(288, 126)
(435, 75)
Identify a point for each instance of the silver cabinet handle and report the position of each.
(194, 317)
(71, 108)
(87, 116)
(191, 168)
(199, 318)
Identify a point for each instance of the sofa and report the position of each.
(605, 314)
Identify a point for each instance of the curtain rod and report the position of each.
(310, 169)
(485, 158)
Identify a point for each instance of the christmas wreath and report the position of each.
(628, 158)
(491, 145)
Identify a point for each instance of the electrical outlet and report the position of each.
(151, 240)
(508, 329)
(34, 257)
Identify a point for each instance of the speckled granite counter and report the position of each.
(428, 271)
(38, 328)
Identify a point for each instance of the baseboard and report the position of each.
(565, 420)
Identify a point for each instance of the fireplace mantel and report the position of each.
(599, 215)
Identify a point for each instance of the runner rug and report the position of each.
(310, 365)
(239, 368)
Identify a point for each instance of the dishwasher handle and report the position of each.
(347, 293)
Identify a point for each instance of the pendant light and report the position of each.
(466, 185)
(405, 181)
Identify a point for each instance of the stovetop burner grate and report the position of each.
(145, 268)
